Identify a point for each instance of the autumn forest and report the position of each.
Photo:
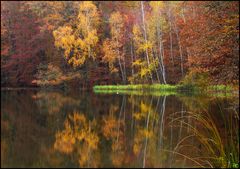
(88, 43)
(119, 84)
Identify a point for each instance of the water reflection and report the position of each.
(55, 129)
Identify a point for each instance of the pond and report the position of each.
(84, 129)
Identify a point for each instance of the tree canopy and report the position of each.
(118, 42)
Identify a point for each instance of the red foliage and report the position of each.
(25, 45)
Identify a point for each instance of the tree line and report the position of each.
(130, 42)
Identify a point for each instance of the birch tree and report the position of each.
(145, 36)
(78, 43)
(156, 12)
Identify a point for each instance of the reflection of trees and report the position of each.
(196, 103)
(113, 130)
(53, 102)
(4, 152)
(79, 135)
(132, 131)
(24, 133)
(145, 140)
(154, 136)
(143, 125)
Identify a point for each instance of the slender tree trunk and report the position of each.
(89, 47)
(161, 50)
(183, 16)
(119, 62)
(124, 70)
(145, 37)
(121, 69)
(119, 118)
(164, 73)
(162, 123)
(187, 58)
(146, 138)
(156, 110)
(155, 67)
(159, 62)
(188, 51)
(170, 34)
(132, 118)
(132, 57)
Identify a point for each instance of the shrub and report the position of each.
(195, 80)
(50, 75)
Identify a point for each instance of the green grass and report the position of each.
(139, 89)
(221, 152)
(144, 87)
(163, 89)
(137, 92)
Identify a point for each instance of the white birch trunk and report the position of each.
(161, 51)
(145, 37)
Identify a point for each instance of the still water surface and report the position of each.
(56, 129)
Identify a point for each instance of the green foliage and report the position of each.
(162, 89)
(143, 70)
(222, 153)
(155, 87)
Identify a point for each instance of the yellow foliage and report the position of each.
(109, 53)
(144, 107)
(138, 115)
(137, 62)
(140, 43)
(78, 44)
(147, 45)
(88, 17)
(77, 129)
(112, 47)
(65, 140)
(157, 5)
(110, 127)
(64, 39)
(137, 36)
(137, 144)
(118, 154)
(117, 28)
(147, 133)
(144, 72)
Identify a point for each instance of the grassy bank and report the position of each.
(162, 89)
(138, 92)
(139, 89)
(142, 87)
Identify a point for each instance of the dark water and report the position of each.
(55, 129)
